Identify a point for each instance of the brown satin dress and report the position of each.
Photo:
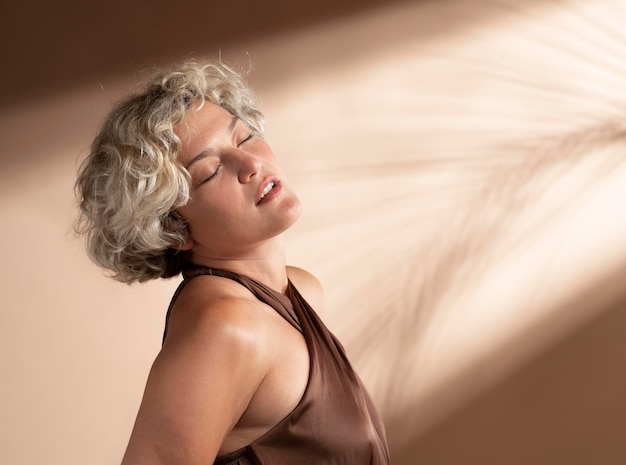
(335, 422)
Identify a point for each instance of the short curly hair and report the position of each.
(131, 182)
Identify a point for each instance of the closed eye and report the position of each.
(250, 136)
(212, 175)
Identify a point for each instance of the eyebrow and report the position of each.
(207, 152)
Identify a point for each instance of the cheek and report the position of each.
(217, 213)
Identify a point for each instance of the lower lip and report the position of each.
(271, 194)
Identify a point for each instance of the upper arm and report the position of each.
(198, 388)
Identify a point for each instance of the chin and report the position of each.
(290, 215)
(295, 210)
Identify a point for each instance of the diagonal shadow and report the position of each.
(50, 47)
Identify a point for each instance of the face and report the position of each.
(240, 199)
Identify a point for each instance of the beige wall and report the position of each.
(465, 155)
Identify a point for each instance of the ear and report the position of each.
(186, 246)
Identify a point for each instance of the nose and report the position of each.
(249, 166)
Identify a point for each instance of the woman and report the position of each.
(180, 180)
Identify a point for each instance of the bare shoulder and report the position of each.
(309, 286)
(219, 322)
(213, 306)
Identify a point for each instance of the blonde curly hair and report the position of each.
(130, 184)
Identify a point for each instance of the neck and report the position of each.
(265, 263)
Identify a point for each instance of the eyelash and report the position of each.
(212, 175)
(250, 136)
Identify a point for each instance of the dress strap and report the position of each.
(279, 302)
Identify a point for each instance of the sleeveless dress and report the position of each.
(335, 422)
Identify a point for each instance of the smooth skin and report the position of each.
(231, 367)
